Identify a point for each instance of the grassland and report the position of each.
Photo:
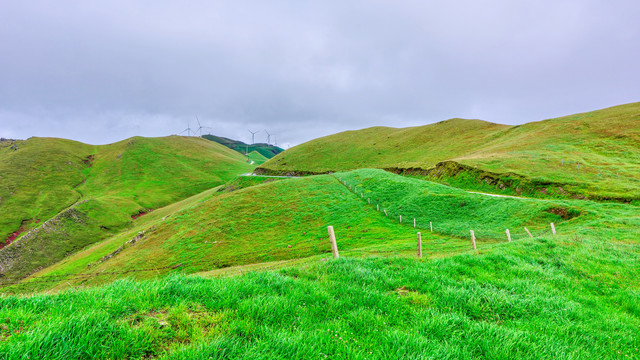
(533, 299)
(258, 219)
(71, 195)
(230, 266)
(257, 158)
(589, 155)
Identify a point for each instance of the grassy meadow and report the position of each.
(543, 298)
(161, 249)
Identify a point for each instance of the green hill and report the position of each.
(543, 297)
(255, 158)
(259, 220)
(263, 149)
(593, 155)
(71, 194)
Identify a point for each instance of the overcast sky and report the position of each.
(102, 71)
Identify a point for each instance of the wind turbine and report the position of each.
(253, 134)
(268, 137)
(200, 127)
(187, 130)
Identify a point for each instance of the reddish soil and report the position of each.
(12, 237)
(88, 160)
(141, 213)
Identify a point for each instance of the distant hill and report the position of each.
(265, 150)
(255, 158)
(57, 196)
(592, 154)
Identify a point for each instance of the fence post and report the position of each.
(401, 219)
(431, 226)
(553, 229)
(527, 230)
(414, 223)
(473, 240)
(508, 235)
(385, 212)
(419, 245)
(334, 244)
(369, 200)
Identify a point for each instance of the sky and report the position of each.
(102, 71)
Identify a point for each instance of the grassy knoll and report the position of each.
(78, 194)
(254, 220)
(561, 298)
(257, 158)
(38, 178)
(593, 155)
(267, 222)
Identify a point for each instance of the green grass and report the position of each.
(543, 155)
(257, 158)
(570, 296)
(255, 220)
(84, 193)
(535, 299)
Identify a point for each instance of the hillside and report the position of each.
(255, 158)
(572, 295)
(258, 220)
(588, 155)
(266, 150)
(71, 194)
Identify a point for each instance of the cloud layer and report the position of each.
(103, 72)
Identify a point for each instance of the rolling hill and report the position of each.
(260, 220)
(266, 150)
(160, 248)
(542, 297)
(57, 196)
(589, 155)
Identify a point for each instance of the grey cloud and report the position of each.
(102, 71)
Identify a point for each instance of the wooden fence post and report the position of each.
(401, 219)
(369, 200)
(419, 245)
(431, 226)
(473, 240)
(377, 207)
(527, 230)
(334, 244)
(553, 229)
(414, 223)
(385, 212)
(508, 235)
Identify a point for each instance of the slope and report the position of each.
(256, 158)
(592, 155)
(287, 219)
(78, 194)
(570, 297)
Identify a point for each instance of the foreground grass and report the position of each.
(550, 299)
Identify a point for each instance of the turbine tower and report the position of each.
(187, 130)
(268, 137)
(253, 134)
(200, 127)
